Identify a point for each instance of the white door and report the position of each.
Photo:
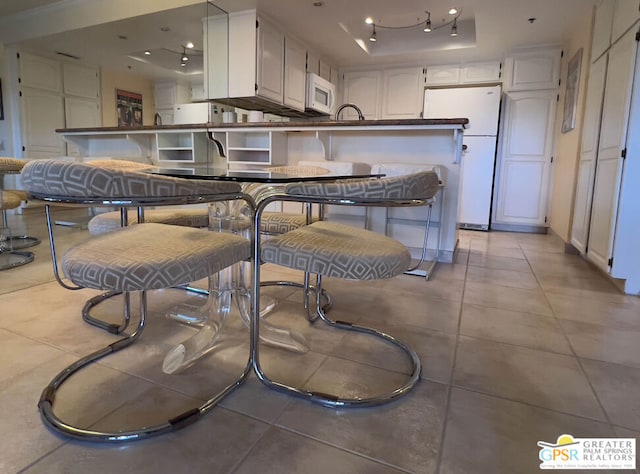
(402, 93)
(362, 88)
(615, 116)
(524, 167)
(270, 62)
(476, 182)
(42, 113)
(588, 153)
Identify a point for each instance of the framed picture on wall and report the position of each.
(128, 108)
(571, 94)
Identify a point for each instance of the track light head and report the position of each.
(454, 28)
(374, 36)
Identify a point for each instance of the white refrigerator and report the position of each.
(481, 105)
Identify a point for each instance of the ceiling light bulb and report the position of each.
(453, 11)
(185, 58)
(183, 64)
(454, 28)
(147, 53)
(374, 36)
(368, 20)
(190, 45)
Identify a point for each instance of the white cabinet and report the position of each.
(468, 73)
(613, 131)
(625, 14)
(313, 63)
(601, 38)
(170, 93)
(81, 81)
(324, 70)
(533, 69)
(402, 93)
(588, 154)
(295, 59)
(270, 77)
(525, 162)
(364, 89)
(256, 60)
(256, 148)
(41, 106)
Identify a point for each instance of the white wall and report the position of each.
(568, 144)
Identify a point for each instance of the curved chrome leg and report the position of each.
(326, 399)
(51, 420)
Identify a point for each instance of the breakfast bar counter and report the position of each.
(257, 146)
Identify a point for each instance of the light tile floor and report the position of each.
(520, 343)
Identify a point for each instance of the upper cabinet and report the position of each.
(364, 89)
(295, 60)
(402, 91)
(533, 69)
(270, 61)
(612, 19)
(469, 73)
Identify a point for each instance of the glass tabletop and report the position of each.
(250, 176)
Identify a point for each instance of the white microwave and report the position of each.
(321, 95)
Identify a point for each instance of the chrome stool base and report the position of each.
(13, 259)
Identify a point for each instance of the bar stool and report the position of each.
(329, 249)
(10, 258)
(138, 258)
(14, 166)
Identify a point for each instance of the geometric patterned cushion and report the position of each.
(279, 222)
(422, 185)
(80, 180)
(110, 221)
(151, 256)
(338, 250)
(11, 165)
(9, 200)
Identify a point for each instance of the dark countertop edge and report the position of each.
(319, 125)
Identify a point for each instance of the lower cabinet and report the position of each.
(523, 171)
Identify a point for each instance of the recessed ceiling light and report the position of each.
(123, 37)
(368, 20)
(190, 45)
(453, 11)
(318, 4)
(165, 29)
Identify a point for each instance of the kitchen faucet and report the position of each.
(353, 106)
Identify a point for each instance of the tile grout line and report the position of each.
(447, 404)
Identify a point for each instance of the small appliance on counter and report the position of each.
(201, 112)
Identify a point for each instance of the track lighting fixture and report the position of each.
(427, 24)
(424, 24)
(184, 57)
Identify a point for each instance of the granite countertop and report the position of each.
(291, 124)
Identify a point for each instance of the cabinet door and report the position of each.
(588, 153)
(625, 14)
(615, 116)
(295, 59)
(522, 194)
(402, 93)
(325, 70)
(81, 81)
(442, 75)
(362, 88)
(533, 70)
(164, 94)
(313, 63)
(42, 113)
(601, 39)
(81, 113)
(474, 73)
(270, 62)
(40, 73)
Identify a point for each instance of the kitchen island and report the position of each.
(260, 145)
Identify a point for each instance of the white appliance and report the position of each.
(321, 95)
(192, 113)
(481, 105)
